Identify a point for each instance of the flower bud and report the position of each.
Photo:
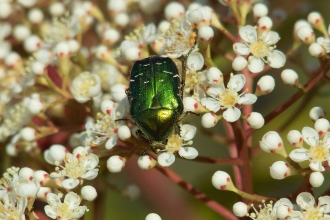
(111, 36)
(316, 113)
(322, 125)
(316, 179)
(306, 35)
(209, 120)
(221, 180)
(116, 163)
(146, 162)
(13, 60)
(279, 170)
(122, 19)
(166, 159)
(28, 189)
(26, 173)
(42, 177)
(205, 34)
(315, 19)
(27, 4)
(195, 61)
(265, 24)
(28, 134)
(74, 46)
(289, 77)
(88, 193)
(124, 133)
(107, 106)
(115, 6)
(214, 76)
(163, 26)
(255, 120)
(132, 54)
(272, 142)
(240, 209)
(35, 106)
(174, 10)
(239, 63)
(153, 216)
(316, 50)
(118, 92)
(37, 68)
(35, 16)
(283, 212)
(56, 9)
(265, 85)
(191, 105)
(259, 10)
(55, 154)
(21, 32)
(42, 193)
(295, 138)
(5, 9)
(62, 49)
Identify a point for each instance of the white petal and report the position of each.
(299, 155)
(79, 212)
(236, 82)
(247, 99)
(70, 183)
(72, 199)
(276, 59)
(316, 166)
(111, 142)
(248, 34)
(215, 91)
(310, 136)
(166, 159)
(255, 64)
(50, 212)
(91, 174)
(305, 200)
(241, 49)
(92, 160)
(188, 152)
(232, 114)
(270, 37)
(211, 104)
(195, 61)
(326, 140)
(324, 202)
(188, 132)
(52, 198)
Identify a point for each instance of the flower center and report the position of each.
(229, 98)
(311, 213)
(259, 48)
(319, 153)
(86, 82)
(174, 143)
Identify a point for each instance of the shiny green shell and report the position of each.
(155, 99)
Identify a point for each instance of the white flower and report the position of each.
(270, 210)
(177, 143)
(85, 86)
(194, 77)
(228, 98)
(12, 208)
(179, 38)
(105, 129)
(261, 47)
(318, 151)
(69, 209)
(309, 210)
(78, 165)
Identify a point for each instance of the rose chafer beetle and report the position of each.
(155, 95)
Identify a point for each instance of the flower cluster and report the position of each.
(87, 87)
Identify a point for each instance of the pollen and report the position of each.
(229, 98)
(260, 48)
(319, 152)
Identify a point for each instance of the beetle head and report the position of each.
(158, 146)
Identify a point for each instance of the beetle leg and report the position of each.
(128, 93)
(126, 119)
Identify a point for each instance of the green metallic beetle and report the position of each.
(155, 97)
